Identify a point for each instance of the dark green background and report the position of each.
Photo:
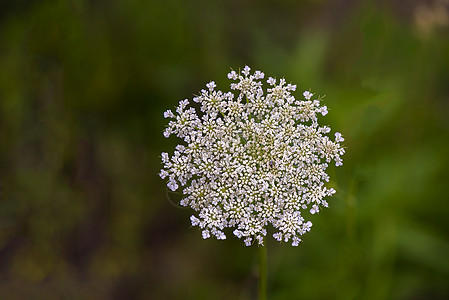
(83, 86)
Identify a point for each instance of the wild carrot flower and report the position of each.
(252, 157)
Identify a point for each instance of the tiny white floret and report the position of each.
(307, 95)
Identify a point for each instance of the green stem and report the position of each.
(262, 257)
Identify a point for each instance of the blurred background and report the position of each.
(83, 87)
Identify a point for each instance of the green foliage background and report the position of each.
(83, 85)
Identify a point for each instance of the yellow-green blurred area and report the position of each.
(83, 87)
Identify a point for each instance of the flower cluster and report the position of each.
(251, 158)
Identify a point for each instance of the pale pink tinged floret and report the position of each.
(246, 70)
(307, 95)
(233, 75)
(211, 85)
(169, 114)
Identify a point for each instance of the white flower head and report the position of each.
(251, 158)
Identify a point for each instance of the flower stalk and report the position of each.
(262, 264)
